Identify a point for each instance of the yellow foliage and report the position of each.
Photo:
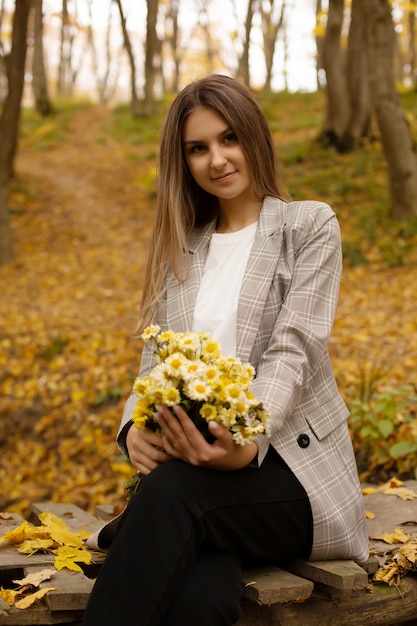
(403, 561)
(398, 536)
(37, 578)
(52, 536)
(9, 595)
(70, 557)
(60, 532)
(31, 546)
(25, 531)
(82, 220)
(386, 573)
(27, 601)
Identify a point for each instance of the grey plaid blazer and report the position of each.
(286, 311)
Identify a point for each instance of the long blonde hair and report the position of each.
(181, 203)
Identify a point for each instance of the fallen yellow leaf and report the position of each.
(37, 578)
(27, 601)
(398, 536)
(69, 557)
(9, 595)
(30, 546)
(386, 573)
(23, 532)
(400, 492)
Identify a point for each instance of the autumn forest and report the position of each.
(77, 192)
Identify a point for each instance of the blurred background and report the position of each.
(84, 88)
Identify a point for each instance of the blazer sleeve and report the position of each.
(146, 364)
(298, 342)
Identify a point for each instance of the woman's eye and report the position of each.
(198, 147)
(230, 137)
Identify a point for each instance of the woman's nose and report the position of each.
(218, 158)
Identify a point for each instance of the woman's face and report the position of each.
(215, 157)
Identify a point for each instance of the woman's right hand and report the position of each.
(145, 450)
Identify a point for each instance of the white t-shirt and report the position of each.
(217, 300)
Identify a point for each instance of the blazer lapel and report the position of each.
(181, 297)
(259, 273)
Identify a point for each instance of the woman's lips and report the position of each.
(224, 177)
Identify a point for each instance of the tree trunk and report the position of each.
(104, 91)
(359, 124)
(39, 82)
(270, 32)
(319, 45)
(334, 62)
(204, 25)
(152, 48)
(62, 68)
(135, 106)
(6, 238)
(173, 42)
(3, 75)
(412, 44)
(395, 134)
(243, 70)
(9, 121)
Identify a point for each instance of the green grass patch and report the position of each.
(46, 132)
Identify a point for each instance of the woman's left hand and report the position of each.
(182, 440)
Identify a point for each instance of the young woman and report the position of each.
(230, 255)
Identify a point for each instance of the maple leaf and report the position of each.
(9, 595)
(27, 601)
(398, 536)
(386, 573)
(400, 492)
(31, 546)
(69, 557)
(409, 551)
(23, 532)
(59, 531)
(36, 578)
(51, 520)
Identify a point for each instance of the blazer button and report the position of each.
(303, 440)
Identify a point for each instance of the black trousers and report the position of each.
(177, 556)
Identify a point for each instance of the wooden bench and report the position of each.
(307, 593)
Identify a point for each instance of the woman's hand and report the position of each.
(182, 440)
(145, 450)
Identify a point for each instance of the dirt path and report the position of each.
(87, 217)
(68, 308)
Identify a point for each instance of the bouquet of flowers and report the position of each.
(192, 372)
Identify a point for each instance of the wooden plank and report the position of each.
(106, 512)
(390, 512)
(72, 589)
(386, 606)
(75, 518)
(9, 521)
(36, 616)
(269, 585)
(341, 575)
(11, 559)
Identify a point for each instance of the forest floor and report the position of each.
(82, 219)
